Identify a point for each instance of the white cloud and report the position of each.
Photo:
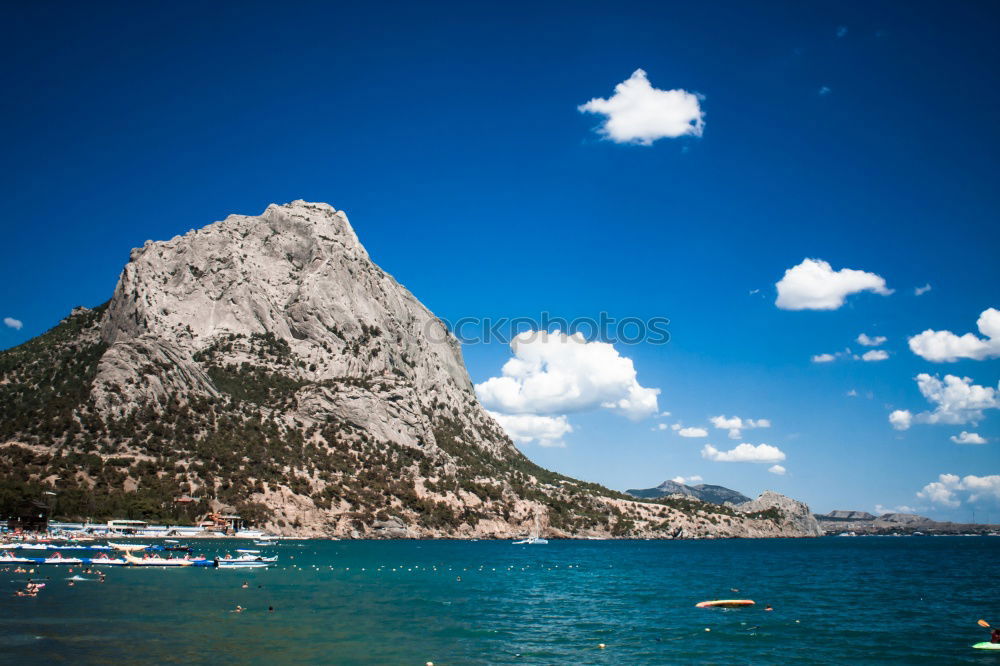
(639, 113)
(660, 426)
(873, 341)
(814, 285)
(852, 393)
(968, 438)
(902, 508)
(901, 419)
(958, 400)
(554, 373)
(875, 355)
(942, 491)
(777, 469)
(10, 322)
(982, 487)
(946, 346)
(824, 358)
(692, 432)
(762, 453)
(686, 480)
(527, 428)
(920, 291)
(945, 490)
(735, 425)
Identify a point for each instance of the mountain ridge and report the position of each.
(266, 364)
(705, 492)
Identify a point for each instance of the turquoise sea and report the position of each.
(836, 601)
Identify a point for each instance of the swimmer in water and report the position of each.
(245, 585)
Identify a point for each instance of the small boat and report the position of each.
(247, 550)
(158, 561)
(13, 559)
(128, 547)
(986, 645)
(725, 603)
(245, 562)
(532, 541)
(104, 561)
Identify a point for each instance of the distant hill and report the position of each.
(862, 522)
(848, 515)
(704, 492)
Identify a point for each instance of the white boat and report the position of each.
(245, 562)
(532, 541)
(162, 562)
(105, 562)
(247, 550)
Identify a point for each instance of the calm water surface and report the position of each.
(836, 601)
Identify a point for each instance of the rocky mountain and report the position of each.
(795, 512)
(862, 522)
(848, 515)
(702, 491)
(266, 364)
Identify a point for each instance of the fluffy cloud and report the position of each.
(777, 469)
(946, 346)
(941, 491)
(873, 341)
(902, 508)
(692, 432)
(736, 425)
(920, 291)
(10, 322)
(824, 358)
(554, 373)
(814, 285)
(686, 480)
(762, 453)
(639, 113)
(527, 428)
(901, 419)
(875, 355)
(945, 490)
(958, 400)
(968, 438)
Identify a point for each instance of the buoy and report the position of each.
(707, 629)
(601, 645)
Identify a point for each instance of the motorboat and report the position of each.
(246, 561)
(532, 541)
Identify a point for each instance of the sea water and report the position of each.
(862, 600)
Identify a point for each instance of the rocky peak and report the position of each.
(796, 514)
(295, 275)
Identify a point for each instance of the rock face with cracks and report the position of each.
(264, 364)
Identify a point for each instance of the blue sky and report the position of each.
(861, 134)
